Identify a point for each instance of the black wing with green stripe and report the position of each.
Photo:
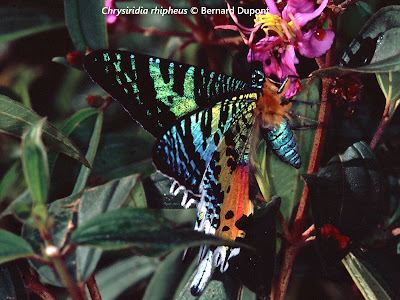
(157, 92)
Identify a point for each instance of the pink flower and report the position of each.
(285, 33)
(111, 18)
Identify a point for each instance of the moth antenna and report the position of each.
(311, 104)
(304, 118)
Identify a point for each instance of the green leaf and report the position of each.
(390, 85)
(146, 232)
(368, 285)
(16, 23)
(24, 78)
(125, 274)
(86, 24)
(61, 60)
(24, 199)
(261, 171)
(364, 9)
(284, 179)
(138, 196)
(9, 179)
(12, 247)
(16, 118)
(338, 192)
(22, 211)
(34, 162)
(72, 124)
(167, 277)
(72, 212)
(246, 294)
(90, 154)
(349, 193)
(122, 154)
(375, 49)
(378, 270)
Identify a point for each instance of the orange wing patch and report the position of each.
(236, 204)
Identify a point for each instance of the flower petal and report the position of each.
(302, 10)
(311, 47)
(289, 59)
(288, 62)
(270, 64)
(273, 9)
(111, 18)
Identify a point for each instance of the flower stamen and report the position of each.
(273, 23)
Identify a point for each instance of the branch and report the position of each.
(40, 259)
(93, 288)
(32, 283)
(54, 254)
(279, 290)
(285, 230)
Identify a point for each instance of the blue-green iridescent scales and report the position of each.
(282, 142)
(202, 121)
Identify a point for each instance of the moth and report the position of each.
(207, 127)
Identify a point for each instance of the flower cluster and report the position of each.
(284, 33)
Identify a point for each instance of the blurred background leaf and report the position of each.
(76, 210)
(86, 24)
(16, 23)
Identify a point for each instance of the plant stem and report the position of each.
(93, 288)
(382, 125)
(40, 259)
(54, 254)
(286, 269)
(32, 283)
(280, 288)
(285, 229)
(379, 132)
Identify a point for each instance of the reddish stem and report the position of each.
(93, 288)
(40, 259)
(285, 230)
(382, 126)
(81, 288)
(67, 250)
(280, 288)
(286, 269)
(32, 283)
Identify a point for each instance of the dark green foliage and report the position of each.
(349, 193)
(146, 232)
